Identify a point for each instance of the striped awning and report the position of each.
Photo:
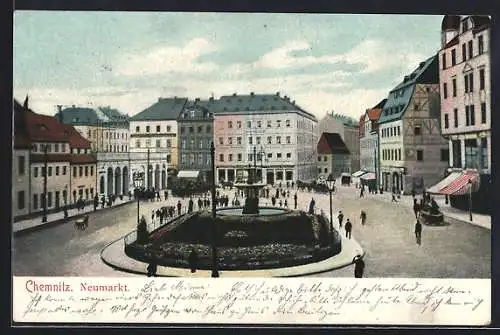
(358, 173)
(436, 189)
(460, 185)
(368, 176)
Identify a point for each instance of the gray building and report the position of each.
(195, 129)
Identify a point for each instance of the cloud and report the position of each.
(178, 60)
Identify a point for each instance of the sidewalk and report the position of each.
(54, 218)
(450, 213)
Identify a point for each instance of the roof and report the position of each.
(253, 103)
(112, 113)
(400, 96)
(44, 128)
(75, 139)
(82, 159)
(163, 109)
(201, 112)
(78, 116)
(21, 136)
(331, 143)
(450, 22)
(40, 158)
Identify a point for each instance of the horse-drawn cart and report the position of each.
(82, 222)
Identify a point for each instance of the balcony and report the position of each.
(112, 156)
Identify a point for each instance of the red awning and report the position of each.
(460, 185)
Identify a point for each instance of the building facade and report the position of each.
(154, 141)
(107, 130)
(465, 81)
(333, 156)
(413, 154)
(267, 131)
(348, 129)
(195, 128)
(368, 139)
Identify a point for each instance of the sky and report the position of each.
(127, 60)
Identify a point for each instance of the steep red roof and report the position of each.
(331, 143)
(374, 113)
(76, 140)
(44, 128)
(83, 159)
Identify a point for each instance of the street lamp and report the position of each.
(138, 178)
(215, 273)
(470, 199)
(46, 158)
(331, 184)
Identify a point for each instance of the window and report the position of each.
(209, 129)
(278, 123)
(182, 130)
(269, 140)
(137, 143)
(464, 52)
(137, 129)
(49, 199)
(157, 129)
(191, 130)
(326, 170)
(319, 170)
(20, 200)
(288, 155)
(158, 143)
(278, 155)
(80, 169)
(287, 123)
(64, 170)
(191, 144)
(471, 152)
(200, 144)
(483, 113)
(169, 128)
(169, 143)
(230, 140)
(445, 90)
(325, 158)
(259, 124)
(35, 172)
(238, 123)
(86, 171)
(230, 124)
(481, 79)
(148, 143)
(319, 158)
(445, 155)
(484, 153)
(288, 140)
(420, 155)
(391, 131)
(455, 118)
(466, 84)
(50, 171)
(91, 170)
(467, 117)
(472, 114)
(258, 140)
(269, 124)
(250, 140)
(471, 50)
(249, 124)
(221, 157)
(230, 158)
(240, 157)
(480, 44)
(454, 86)
(238, 140)
(446, 121)
(221, 141)
(471, 82)
(399, 130)
(35, 201)
(147, 129)
(169, 158)
(249, 157)
(21, 165)
(56, 146)
(278, 139)
(270, 155)
(444, 60)
(453, 57)
(418, 130)
(199, 129)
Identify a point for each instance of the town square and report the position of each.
(280, 158)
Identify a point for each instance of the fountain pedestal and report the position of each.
(251, 189)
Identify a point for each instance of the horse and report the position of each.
(82, 223)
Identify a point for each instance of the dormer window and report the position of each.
(465, 25)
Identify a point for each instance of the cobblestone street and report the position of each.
(458, 250)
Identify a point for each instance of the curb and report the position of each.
(63, 220)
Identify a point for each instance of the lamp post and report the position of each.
(138, 178)
(46, 158)
(331, 184)
(215, 273)
(470, 200)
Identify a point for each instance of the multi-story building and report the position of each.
(265, 130)
(333, 156)
(348, 129)
(108, 133)
(368, 139)
(413, 154)
(44, 152)
(153, 141)
(195, 128)
(464, 78)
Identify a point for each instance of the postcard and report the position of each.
(251, 168)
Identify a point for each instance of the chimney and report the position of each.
(73, 106)
(211, 99)
(421, 65)
(234, 94)
(197, 99)
(405, 79)
(293, 102)
(251, 94)
(278, 94)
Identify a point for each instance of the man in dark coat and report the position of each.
(193, 260)
(359, 267)
(190, 205)
(348, 229)
(311, 206)
(179, 207)
(200, 204)
(416, 208)
(273, 201)
(418, 232)
(295, 200)
(341, 218)
(152, 268)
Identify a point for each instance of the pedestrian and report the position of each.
(363, 217)
(416, 208)
(193, 260)
(394, 197)
(418, 232)
(179, 206)
(273, 201)
(348, 229)
(190, 205)
(341, 218)
(295, 200)
(158, 198)
(153, 216)
(200, 204)
(165, 194)
(152, 268)
(362, 192)
(96, 202)
(359, 266)
(286, 203)
(281, 203)
(311, 206)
